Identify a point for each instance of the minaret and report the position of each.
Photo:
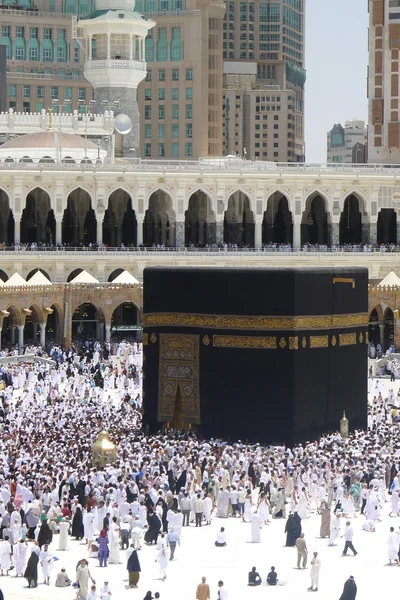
(114, 37)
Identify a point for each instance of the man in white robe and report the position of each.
(20, 551)
(255, 528)
(46, 562)
(393, 546)
(223, 503)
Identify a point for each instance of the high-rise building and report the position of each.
(347, 144)
(383, 81)
(271, 34)
(180, 101)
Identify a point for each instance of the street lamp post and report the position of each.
(111, 143)
(55, 103)
(83, 103)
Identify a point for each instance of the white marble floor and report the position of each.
(197, 556)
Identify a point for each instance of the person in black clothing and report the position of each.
(77, 524)
(291, 530)
(272, 578)
(151, 534)
(254, 578)
(45, 535)
(349, 589)
(106, 522)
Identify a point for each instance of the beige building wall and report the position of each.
(259, 118)
(383, 82)
(272, 36)
(180, 101)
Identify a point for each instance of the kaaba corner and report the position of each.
(271, 355)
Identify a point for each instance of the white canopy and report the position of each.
(38, 279)
(84, 277)
(1, 283)
(125, 277)
(390, 280)
(15, 279)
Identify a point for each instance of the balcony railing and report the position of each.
(236, 166)
(116, 63)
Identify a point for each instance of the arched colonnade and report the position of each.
(236, 220)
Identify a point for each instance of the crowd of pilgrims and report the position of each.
(50, 492)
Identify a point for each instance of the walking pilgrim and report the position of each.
(50, 415)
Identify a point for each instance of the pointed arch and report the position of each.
(38, 224)
(200, 225)
(350, 224)
(277, 225)
(88, 319)
(239, 220)
(315, 224)
(7, 224)
(159, 219)
(120, 222)
(79, 224)
(362, 200)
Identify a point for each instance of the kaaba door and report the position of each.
(179, 389)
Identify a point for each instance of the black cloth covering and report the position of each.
(31, 571)
(45, 536)
(349, 590)
(154, 523)
(133, 564)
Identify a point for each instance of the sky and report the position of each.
(336, 38)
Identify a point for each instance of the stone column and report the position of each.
(17, 229)
(42, 334)
(20, 337)
(108, 45)
(139, 233)
(365, 232)
(12, 335)
(99, 233)
(180, 234)
(382, 334)
(219, 231)
(108, 332)
(373, 233)
(257, 234)
(211, 233)
(335, 234)
(132, 39)
(296, 244)
(34, 328)
(59, 231)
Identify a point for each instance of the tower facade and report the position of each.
(271, 35)
(114, 39)
(383, 81)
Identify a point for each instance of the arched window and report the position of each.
(20, 49)
(149, 47)
(176, 44)
(5, 41)
(70, 6)
(83, 7)
(33, 49)
(61, 46)
(162, 44)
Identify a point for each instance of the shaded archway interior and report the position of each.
(120, 223)
(88, 322)
(7, 225)
(315, 227)
(38, 224)
(200, 225)
(386, 231)
(350, 224)
(37, 270)
(277, 225)
(79, 224)
(239, 221)
(126, 320)
(159, 221)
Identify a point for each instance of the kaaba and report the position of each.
(273, 355)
